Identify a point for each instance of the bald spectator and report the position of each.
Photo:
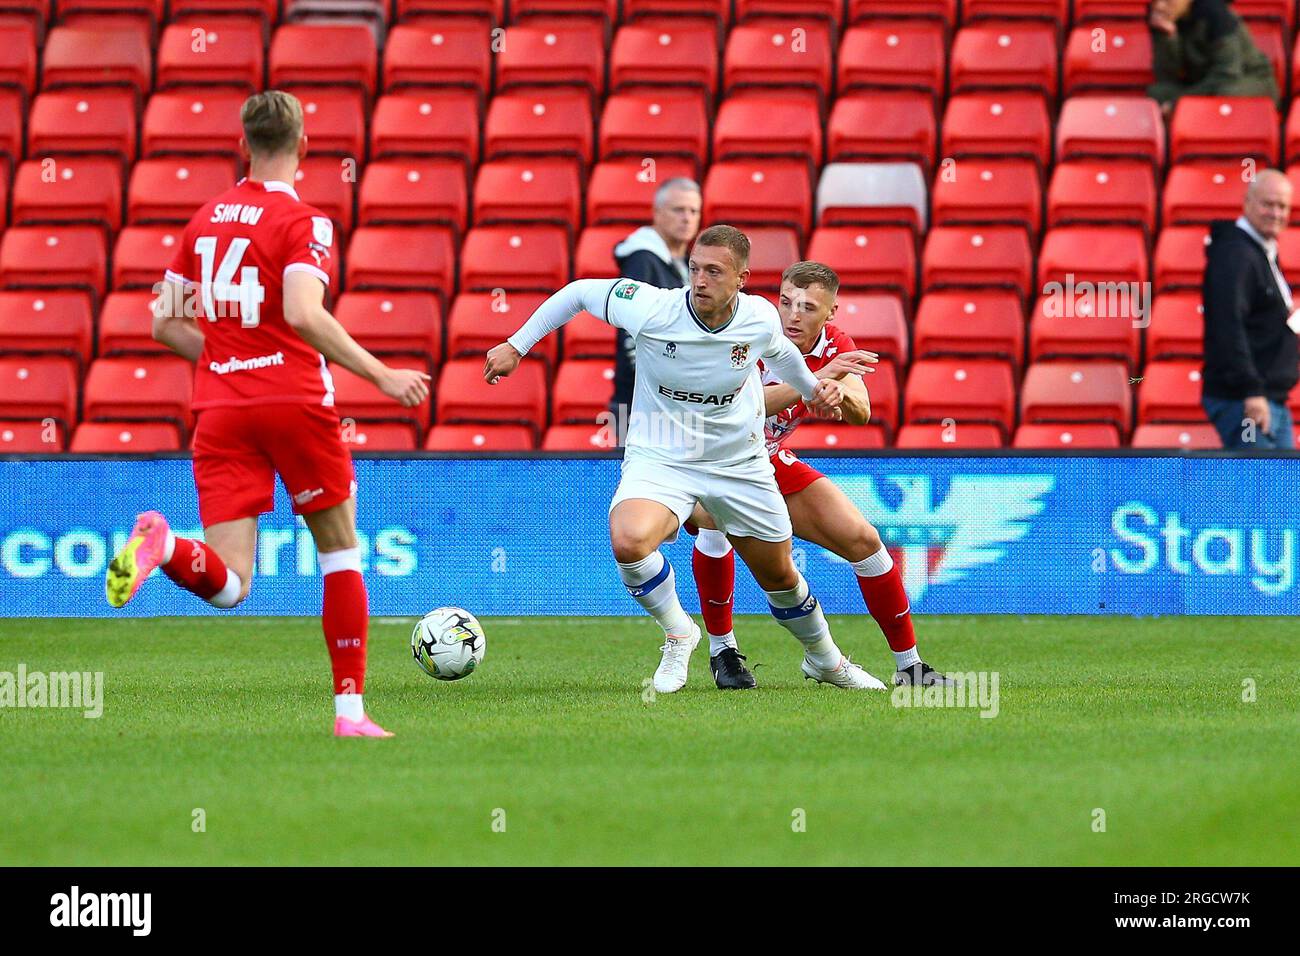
(656, 255)
(1250, 347)
(1201, 48)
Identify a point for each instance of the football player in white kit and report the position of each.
(695, 435)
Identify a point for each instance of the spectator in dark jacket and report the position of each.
(1201, 48)
(656, 255)
(1250, 342)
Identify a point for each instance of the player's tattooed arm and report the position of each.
(173, 326)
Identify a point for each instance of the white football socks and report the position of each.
(799, 613)
(349, 706)
(653, 584)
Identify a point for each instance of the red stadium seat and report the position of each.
(882, 385)
(820, 436)
(564, 53)
(1180, 257)
(1188, 436)
(1057, 11)
(83, 121)
(1092, 253)
(719, 10)
(1111, 125)
(139, 389)
(102, 54)
(445, 53)
(71, 189)
(1278, 11)
(984, 191)
(415, 191)
(683, 52)
(494, 11)
(1224, 127)
(606, 10)
(1002, 123)
(1077, 391)
(334, 121)
(18, 55)
(767, 126)
(1200, 193)
(324, 54)
(594, 256)
(1014, 56)
(772, 251)
(872, 194)
(134, 438)
(1107, 191)
(531, 189)
(266, 11)
(126, 323)
(875, 322)
(660, 123)
(550, 122)
(829, 10)
(519, 398)
(394, 323)
(868, 257)
(1087, 325)
(142, 254)
(194, 121)
(480, 320)
(31, 438)
(426, 123)
(583, 389)
(1113, 55)
(328, 183)
(38, 387)
(229, 53)
(1270, 37)
(11, 126)
(961, 390)
(1177, 328)
(586, 336)
(46, 321)
(1288, 252)
(904, 54)
(515, 258)
(623, 190)
(172, 189)
(989, 324)
(952, 435)
(1170, 391)
(778, 53)
(400, 258)
(478, 438)
(54, 257)
(575, 438)
(357, 400)
(977, 256)
(361, 437)
(768, 192)
(1078, 435)
(110, 11)
(897, 125)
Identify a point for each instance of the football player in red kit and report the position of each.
(819, 511)
(244, 298)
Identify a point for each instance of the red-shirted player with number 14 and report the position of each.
(244, 297)
(819, 511)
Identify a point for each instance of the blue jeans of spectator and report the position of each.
(1227, 415)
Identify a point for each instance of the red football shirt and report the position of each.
(830, 343)
(233, 258)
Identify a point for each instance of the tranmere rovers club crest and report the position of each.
(739, 356)
(939, 542)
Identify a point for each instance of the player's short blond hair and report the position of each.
(729, 237)
(803, 274)
(272, 123)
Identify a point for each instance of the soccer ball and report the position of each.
(448, 643)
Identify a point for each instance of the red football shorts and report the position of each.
(239, 451)
(792, 475)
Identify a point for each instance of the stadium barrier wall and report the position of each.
(528, 535)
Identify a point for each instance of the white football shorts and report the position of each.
(742, 499)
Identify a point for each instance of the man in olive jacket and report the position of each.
(1201, 48)
(1250, 345)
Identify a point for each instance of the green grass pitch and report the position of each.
(550, 755)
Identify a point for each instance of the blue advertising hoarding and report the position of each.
(525, 536)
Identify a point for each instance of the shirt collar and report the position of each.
(820, 345)
(1270, 245)
(273, 186)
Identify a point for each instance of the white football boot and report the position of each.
(848, 676)
(670, 676)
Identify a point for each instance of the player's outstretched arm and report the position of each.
(590, 295)
(173, 326)
(304, 310)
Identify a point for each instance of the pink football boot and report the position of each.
(142, 553)
(365, 727)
